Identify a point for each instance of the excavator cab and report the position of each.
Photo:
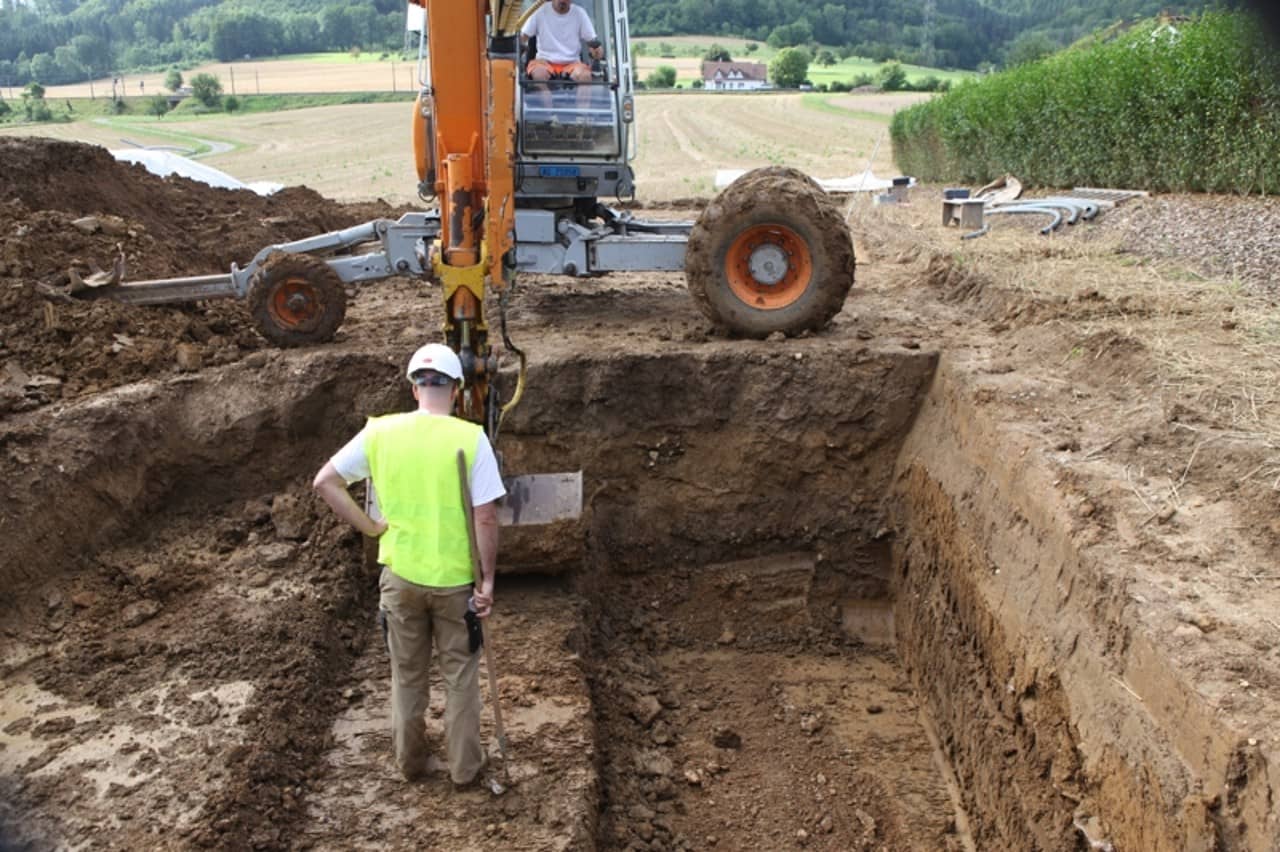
(575, 138)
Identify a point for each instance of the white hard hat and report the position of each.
(437, 357)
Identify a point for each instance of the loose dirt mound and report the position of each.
(65, 205)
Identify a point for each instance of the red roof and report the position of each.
(746, 70)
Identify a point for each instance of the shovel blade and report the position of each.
(541, 498)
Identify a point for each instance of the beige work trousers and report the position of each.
(415, 617)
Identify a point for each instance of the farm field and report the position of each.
(986, 562)
(336, 72)
(362, 151)
(339, 72)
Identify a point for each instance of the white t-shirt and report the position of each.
(560, 37)
(352, 463)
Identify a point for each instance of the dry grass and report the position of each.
(1214, 343)
(685, 138)
(363, 151)
(269, 77)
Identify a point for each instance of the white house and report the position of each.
(734, 75)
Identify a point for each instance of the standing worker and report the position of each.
(423, 546)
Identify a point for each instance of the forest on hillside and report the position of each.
(63, 41)
(944, 33)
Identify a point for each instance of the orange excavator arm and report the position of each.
(465, 148)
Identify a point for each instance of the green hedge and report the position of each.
(1190, 107)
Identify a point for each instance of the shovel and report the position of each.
(463, 478)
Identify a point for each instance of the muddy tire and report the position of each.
(296, 300)
(770, 253)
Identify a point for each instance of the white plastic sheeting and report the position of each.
(165, 163)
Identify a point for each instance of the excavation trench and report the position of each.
(812, 601)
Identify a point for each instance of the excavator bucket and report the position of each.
(541, 498)
(532, 499)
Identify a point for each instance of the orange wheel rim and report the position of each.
(768, 266)
(295, 303)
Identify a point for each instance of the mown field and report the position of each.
(328, 72)
(361, 151)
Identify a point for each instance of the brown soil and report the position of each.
(988, 563)
(165, 228)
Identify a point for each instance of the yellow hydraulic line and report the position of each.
(515, 396)
(510, 8)
(529, 13)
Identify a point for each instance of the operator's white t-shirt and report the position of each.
(352, 463)
(560, 37)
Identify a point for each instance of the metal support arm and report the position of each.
(402, 251)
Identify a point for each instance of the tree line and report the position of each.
(63, 41)
(970, 34)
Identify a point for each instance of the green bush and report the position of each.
(207, 89)
(789, 68)
(158, 105)
(662, 77)
(173, 80)
(893, 78)
(717, 53)
(231, 103)
(1194, 107)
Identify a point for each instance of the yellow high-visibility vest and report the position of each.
(413, 460)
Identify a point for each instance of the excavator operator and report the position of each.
(561, 29)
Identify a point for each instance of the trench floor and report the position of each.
(736, 712)
(717, 708)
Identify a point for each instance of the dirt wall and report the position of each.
(724, 452)
(87, 474)
(1063, 717)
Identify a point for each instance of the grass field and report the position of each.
(685, 138)
(361, 151)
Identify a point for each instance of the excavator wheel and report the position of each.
(770, 253)
(296, 299)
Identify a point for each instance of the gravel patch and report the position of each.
(1217, 235)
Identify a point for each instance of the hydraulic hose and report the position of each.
(529, 13)
(520, 376)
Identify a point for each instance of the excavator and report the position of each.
(515, 171)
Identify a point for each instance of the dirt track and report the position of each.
(989, 563)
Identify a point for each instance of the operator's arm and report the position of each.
(332, 488)
(587, 32)
(486, 518)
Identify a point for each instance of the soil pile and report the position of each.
(65, 205)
